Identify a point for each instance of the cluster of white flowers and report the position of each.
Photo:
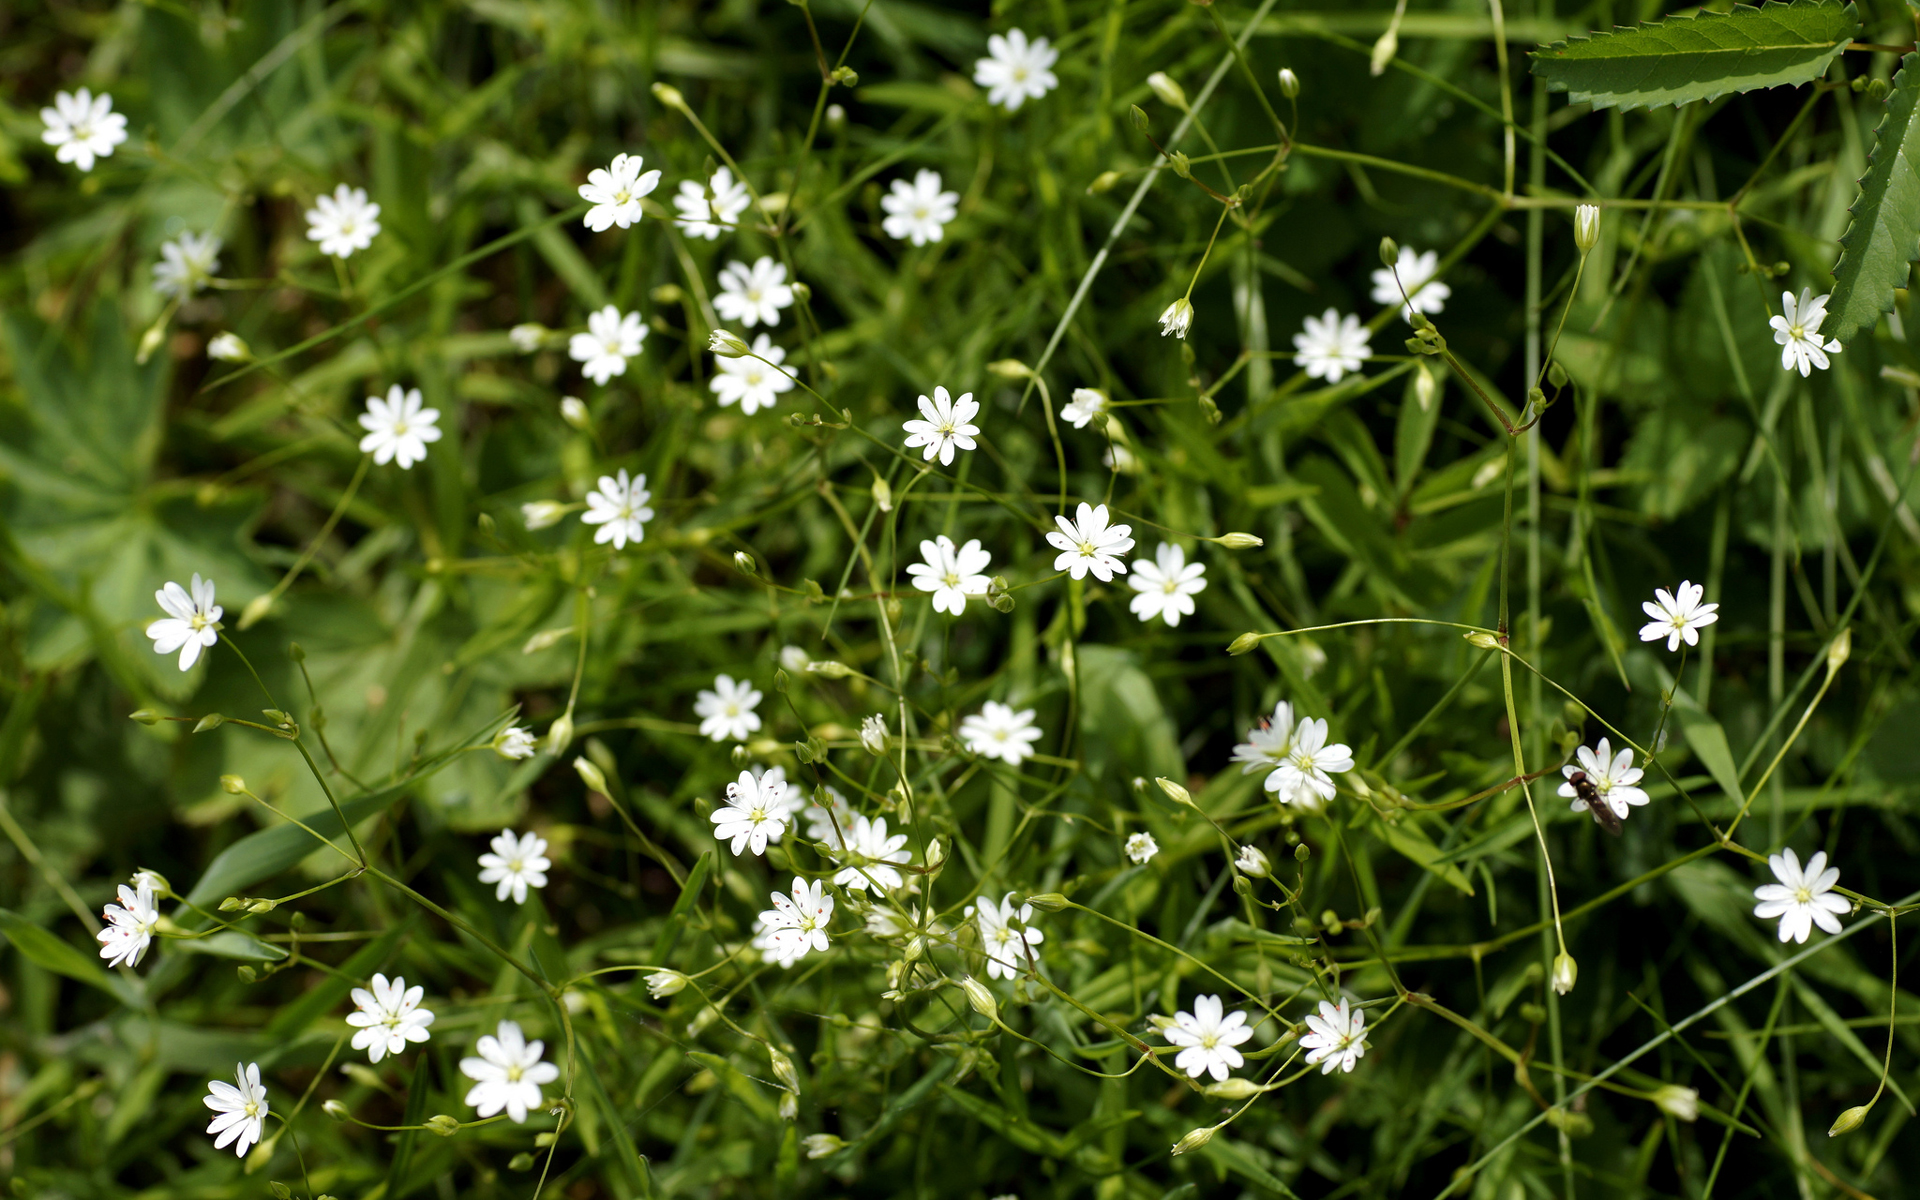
(1299, 762)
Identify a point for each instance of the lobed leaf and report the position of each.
(1885, 234)
(1701, 57)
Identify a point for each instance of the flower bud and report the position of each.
(227, 347)
(1238, 541)
(146, 716)
(1174, 791)
(1252, 862)
(743, 562)
(334, 1109)
(882, 494)
(1234, 1089)
(981, 999)
(1482, 639)
(793, 658)
(783, 1069)
(1850, 1120)
(262, 905)
(442, 1124)
(1681, 1102)
(1103, 183)
(591, 775)
(1195, 1139)
(1181, 164)
(1425, 387)
(574, 412)
(1048, 901)
(523, 1161)
(820, 1145)
(233, 785)
(1586, 227)
(1289, 83)
(560, 734)
(936, 854)
(256, 608)
(1839, 650)
(670, 96)
(209, 722)
(1168, 89)
(1177, 318)
(1243, 643)
(150, 341)
(789, 1106)
(540, 514)
(727, 345)
(1138, 116)
(1383, 51)
(1389, 253)
(1565, 972)
(873, 735)
(845, 75)
(527, 336)
(1556, 374)
(829, 669)
(1009, 368)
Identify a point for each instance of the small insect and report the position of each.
(1603, 814)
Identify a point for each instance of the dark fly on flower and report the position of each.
(1603, 814)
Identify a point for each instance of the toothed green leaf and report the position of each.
(1885, 235)
(1700, 57)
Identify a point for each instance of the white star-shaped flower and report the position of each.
(1678, 614)
(1310, 759)
(753, 295)
(514, 742)
(516, 864)
(1613, 775)
(508, 1073)
(1089, 543)
(83, 126)
(1338, 1037)
(1083, 405)
(343, 222)
(619, 508)
(388, 1016)
(1252, 861)
(1016, 70)
(753, 381)
(792, 927)
(1208, 1036)
(615, 191)
(192, 622)
(1802, 899)
(702, 217)
(869, 839)
(1797, 330)
(1268, 747)
(398, 429)
(1425, 294)
(726, 712)
(242, 1110)
(918, 212)
(1331, 346)
(1005, 935)
(951, 574)
(1166, 586)
(997, 731)
(944, 427)
(1177, 318)
(130, 925)
(1141, 848)
(611, 339)
(186, 264)
(755, 813)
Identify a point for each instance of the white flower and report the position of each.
(868, 838)
(609, 342)
(620, 509)
(615, 192)
(1338, 1037)
(945, 426)
(755, 813)
(83, 126)
(1613, 775)
(516, 864)
(192, 622)
(1177, 318)
(398, 429)
(186, 263)
(1209, 1035)
(997, 731)
(727, 710)
(918, 212)
(753, 295)
(951, 575)
(794, 926)
(752, 381)
(1678, 614)
(528, 336)
(514, 742)
(1309, 760)
(1141, 848)
(227, 347)
(661, 984)
(1797, 331)
(129, 925)
(343, 222)
(826, 822)
(1331, 346)
(793, 659)
(242, 1110)
(1586, 231)
(389, 1017)
(1267, 748)
(1165, 587)
(1005, 935)
(1088, 543)
(1081, 408)
(508, 1073)
(704, 218)
(1252, 861)
(1415, 273)
(1016, 70)
(873, 734)
(1802, 899)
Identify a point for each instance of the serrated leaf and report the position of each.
(1701, 57)
(1885, 234)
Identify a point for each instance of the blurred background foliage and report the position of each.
(1681, 451)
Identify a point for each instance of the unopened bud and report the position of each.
(541, 514)
(256, 608)
(1384, 50)
(829, 668)
(820, 1145)
(1424, 387)
(1586, 227)
(247, 974)
(1482, 639)
(591, 775)
(1243, 643)
(545, 639)
(523, 1161)
(262, 905)
(1302, 852)
(527, 337)
(727, 345)
(873, 735)
(1289, 83)
(209, 722)
(1556, 374)
(1238, 541)
(1048, 901)
(233, 785)
(980, 998)
(670, 96)
(1565, 972)
(574, 412)
(936, 854)
(227, 347)
(1181, 164)
(789, 1106)
(1103, 183)
(1251, 861)
(442, 1124)
(1174, 791)
(1138, 116)
(1681, 1102)
(1850, 1120)
(1194, 1140)
(146, 716)
(1839, 650)
(335, 1109)
(743, 562)
(150, 341)
(882, 494)
(845, 75)
(560, 734)
(1168, 89)
(1234, 1089)
(1389, 253)
(783, 1069)
(1009, 368)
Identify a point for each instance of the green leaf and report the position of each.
(232, 943)
(1682, 59)
(1885, 235)
(1709, 743)
(46, 949)
(1410, 841)
(265, 854)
